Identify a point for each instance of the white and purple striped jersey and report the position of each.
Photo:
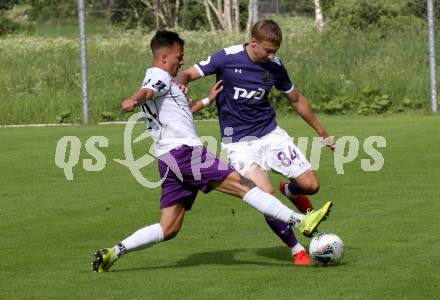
(169, 116)
(243, 107)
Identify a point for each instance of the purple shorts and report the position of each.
(186, 171)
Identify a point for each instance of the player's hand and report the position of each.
(216, 89)
(328, 141)
(128, 105)
(183, 88)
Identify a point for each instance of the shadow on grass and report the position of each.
(279, 253)
(228, 258)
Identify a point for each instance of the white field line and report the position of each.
(124, 122)
(35, 125)
(71, 124)
(114, 122)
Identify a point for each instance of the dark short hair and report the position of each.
(165, 39)
(267, 30)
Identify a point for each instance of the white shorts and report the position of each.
(275, 151)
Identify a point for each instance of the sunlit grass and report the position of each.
(50, 226)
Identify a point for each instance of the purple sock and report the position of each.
(283, 230)
(294, 190)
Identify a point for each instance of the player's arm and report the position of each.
(138, 98)
(195, 106)
(303, 108)
(188, 75)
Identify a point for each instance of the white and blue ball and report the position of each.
(326, 249)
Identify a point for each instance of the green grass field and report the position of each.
(50, 227)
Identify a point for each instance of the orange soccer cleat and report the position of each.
(302, 259)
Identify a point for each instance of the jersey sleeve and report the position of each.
(159, 82)
(211, 65)
(283, 83)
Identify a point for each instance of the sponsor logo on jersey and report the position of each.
(159, 85)
(243, 93)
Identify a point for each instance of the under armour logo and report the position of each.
(237, 71)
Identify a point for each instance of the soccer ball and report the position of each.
(326, 249)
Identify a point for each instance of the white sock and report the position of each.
(297, 248)
(141, 239)
(271, 206)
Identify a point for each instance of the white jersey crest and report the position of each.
(168, 114)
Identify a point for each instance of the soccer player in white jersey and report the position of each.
(251, 137)
(185, 165)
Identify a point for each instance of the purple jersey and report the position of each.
(243, 107)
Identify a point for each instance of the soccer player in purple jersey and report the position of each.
(184, 164)
(250, 135)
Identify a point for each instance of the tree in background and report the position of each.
(153, 14)
(12, 18)
(193, 16)
(166, 13)
(227, 13)
(419, 8)
(7, 4)
(319, 17)
(46, 10)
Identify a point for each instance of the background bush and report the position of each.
(340, 72)
(367, 14)
(372, 57)
(14, 19)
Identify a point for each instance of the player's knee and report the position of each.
(247, 183)
(245, 186)
(311, 188)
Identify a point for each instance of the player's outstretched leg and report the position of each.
(237, 185)
(171, 219)
(284, 231)
(141, 239)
